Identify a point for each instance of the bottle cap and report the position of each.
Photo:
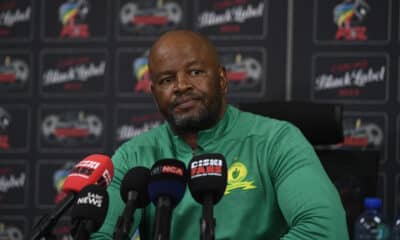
(372, 203)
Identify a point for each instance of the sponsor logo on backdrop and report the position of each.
(10, 231)
(5, 122)
(50, 177)
(71, 129)
(132, 74)
(141, 72)
(75, 19)
(14, 128)
(245, 71)
(350, 78)
(149, 18)
(365, 131)
(13, 184)
(15, 73)
(349, 16)
(131, 121)
(72, 15)
(231, 18)
(59, 177)
(346, 21)
(81, 73)
(15, 19)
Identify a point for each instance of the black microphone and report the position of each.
(207, 184)
(134, 193)
(93, 169)
(167, 186)
(89, 211)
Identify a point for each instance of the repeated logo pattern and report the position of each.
(74, 80)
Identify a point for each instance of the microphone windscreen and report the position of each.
(136, 179)
(167, 178)
(91, 204)
(207, 175)
(93, 169)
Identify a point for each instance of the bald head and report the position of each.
(182, 39)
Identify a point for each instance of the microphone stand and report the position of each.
(207, 221)
(162, 222)
(46, 223)
(125, 221)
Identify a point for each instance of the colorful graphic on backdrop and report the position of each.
(245, 68)
(16, 22)
(349, 16)
(13, 184)
(350, 78)
(352, 21)
(71, 128)
(141, 71)
(50, 177)
(75, 20)
(15, 74)
(72, 15)
(144, 18)
(232, 18)
(14, 128)
(134, 120)
(72, 72)
(132, 73)
(365, 131)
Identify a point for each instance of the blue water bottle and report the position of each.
(370, 224)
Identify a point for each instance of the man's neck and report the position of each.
(190, 139)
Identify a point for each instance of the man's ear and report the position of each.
(223, 79)
(151, 87)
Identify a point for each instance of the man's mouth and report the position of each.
(185, 103)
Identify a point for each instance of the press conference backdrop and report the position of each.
(74, 80)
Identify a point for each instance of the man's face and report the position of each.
(188, 84)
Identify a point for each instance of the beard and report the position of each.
(203, 117)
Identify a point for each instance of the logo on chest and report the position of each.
(237, 174)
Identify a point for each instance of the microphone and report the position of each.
(207, 183)
(167, 186)
(134, 193)
(93, 169)
(89, 211)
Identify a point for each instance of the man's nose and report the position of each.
(182, 82)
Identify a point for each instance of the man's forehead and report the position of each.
(183, 36)
(176, 44)
(181, 46)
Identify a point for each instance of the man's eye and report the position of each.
(165, 80)
(195, 72)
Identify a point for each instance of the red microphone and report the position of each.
(93, 169)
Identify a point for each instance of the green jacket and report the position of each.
(277, 188)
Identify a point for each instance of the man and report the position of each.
(277, 188)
